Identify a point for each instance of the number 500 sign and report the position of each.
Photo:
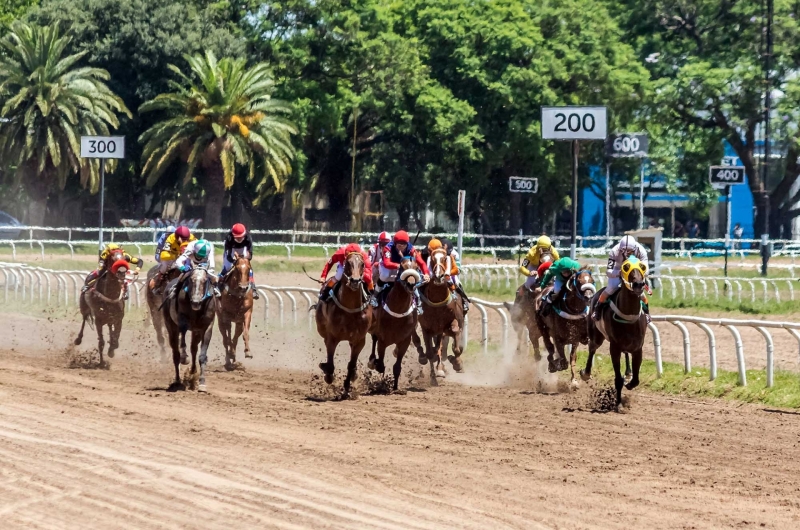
(574, 123)
(102, 147)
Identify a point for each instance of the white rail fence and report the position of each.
(62, 288)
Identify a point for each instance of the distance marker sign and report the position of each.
(574, 123)
(627, 145)
(721, 176)
(102, 147)
(523, 185)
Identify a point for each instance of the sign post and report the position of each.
(574, 124)
(626, 145)
(722, 178)
(102, 147)
(462, 199)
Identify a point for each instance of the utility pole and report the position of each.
(767, 112)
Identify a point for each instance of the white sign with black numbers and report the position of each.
(102, 147)
(627, 145)
(721, 176)
(574, 123)
(523, 185)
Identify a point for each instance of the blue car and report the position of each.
(8, 227)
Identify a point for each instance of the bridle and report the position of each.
(353, 282)
(439, 269)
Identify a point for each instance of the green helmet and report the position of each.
(202, 248)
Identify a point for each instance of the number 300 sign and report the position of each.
(574, 123)
(102, 147)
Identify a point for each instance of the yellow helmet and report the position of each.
(112, 246)
(434, 244)
(544, 242)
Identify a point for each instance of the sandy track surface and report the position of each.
(87, 448)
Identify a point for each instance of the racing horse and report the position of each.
(443, 317)
(345, 316)
(192, 308)
(565, 323)
(103, 305)
(523, 313)
(622, 323)
(395, 319)
(236, 307)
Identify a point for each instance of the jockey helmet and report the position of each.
(544, 242)
(182, 232)
(351, 248)
(238, 230)
(434, 244)
(384, 237)
(401, 237)
(202, 249)
(119, 264)
(543, 268)
(627, 244)
(171, 229)
(112, 246)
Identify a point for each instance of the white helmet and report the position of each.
(171, 229)
(627, 244)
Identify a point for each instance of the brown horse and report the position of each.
(624, 325)
(236, 307)
(154, 301)
(523, 313)
(443, 317)
(395, 319)
(345, 316)
(565, 323)
(103, 305)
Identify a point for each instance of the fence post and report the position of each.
(737, 338)
(657, 349)
(712, 350)
(770, 354)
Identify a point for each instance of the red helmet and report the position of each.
(352, 247)
(120, 263)
(182, 232)
(543, 268)
(238, 230)
(401, 236)
(384, 238)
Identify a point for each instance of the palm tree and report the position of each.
(48, 104)
(220, 115)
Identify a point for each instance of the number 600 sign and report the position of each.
(574, 123)
(102, 147)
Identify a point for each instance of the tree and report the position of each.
(48, 104)
(220, 115)
(11, 10)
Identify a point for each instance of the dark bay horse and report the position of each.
(395, 320)
(523, 313)
(565, 324)
(236, 307)
(345, 316)
(103, 305)
(623, 324)
(192, 308)
(443, 317)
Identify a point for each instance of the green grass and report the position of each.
(784, 393)
(745, 307)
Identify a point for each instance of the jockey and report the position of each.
(376, 251)
(339, 258)
(395, 251)
(532, 260)
(95, 274)
(451, 270)
(626, 248)
(197, 253)
(559, 272)
(161, 240)
(239, 242)
(169, 253)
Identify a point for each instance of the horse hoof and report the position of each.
(248, 355)
(329, 379)
(440, 373)
(230, 366)
(202, 388)
(551, 367)
(380, 367)
(574, 385)
(458, 366)
(371, 364)
(78, 341)
(585, 376)
(110, 354)
(184, 360)
(423, 359)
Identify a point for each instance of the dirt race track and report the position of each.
(266, 448)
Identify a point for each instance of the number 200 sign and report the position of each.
(574, 123)
(102, 147)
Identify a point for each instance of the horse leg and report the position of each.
(101, 343)
(627, 367)
(618, 379)
(225, 331)
(183, 327)
(372, 356)
(637, 363)
(423, 358)
(400, 352)
(352, 372)
(201, 387)
(586, 373)
(158, 324)
(237, 332)
(444, 342)
(380, 366)
(457, 351)
(79, 338)
(551, 350)
(435, 357)
(561, 362)
(327, 367)
(247, 318)
(573, 356)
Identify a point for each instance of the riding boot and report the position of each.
(373, 297)
(417, 302)
(646, 308)
(256, 296)
(125, 291)
(90, 279)
(464, 298)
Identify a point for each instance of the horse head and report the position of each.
(198, 287)
(633, 273)
(113, 257)
(353, 270)
(239, 278)
(584, 284)
(545, 256)
(439, 266)
(409, 273)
